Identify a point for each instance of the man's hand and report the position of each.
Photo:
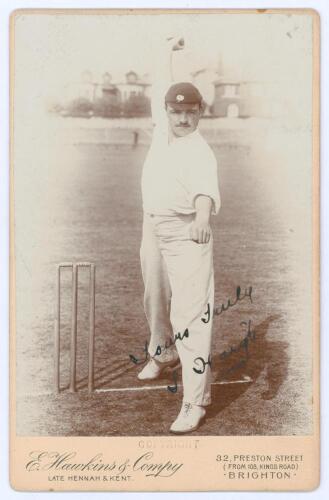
(176, 42)
(200, 231)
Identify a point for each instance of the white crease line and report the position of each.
(245, 380)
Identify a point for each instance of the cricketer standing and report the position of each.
(180, 193)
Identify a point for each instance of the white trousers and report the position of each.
(179, 297)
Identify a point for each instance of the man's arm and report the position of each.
(200, 229)
(163, 77)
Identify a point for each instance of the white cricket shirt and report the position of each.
(175, 173)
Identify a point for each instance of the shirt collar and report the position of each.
(187, 138)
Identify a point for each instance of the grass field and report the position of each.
(83, 202)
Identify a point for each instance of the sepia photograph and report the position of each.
(164, 225)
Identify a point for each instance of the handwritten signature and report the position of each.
(159, 349)
(225, 306)
(200, 363)
(242, 346)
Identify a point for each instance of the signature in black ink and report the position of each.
(239, 297)
(159, 349)
(140, 361)
(178, 336)
(201, 362)
(243, 345)
(173, 388)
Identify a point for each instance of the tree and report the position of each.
(80, 106)
(107, 106)
(137, 106)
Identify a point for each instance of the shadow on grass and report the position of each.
(104, 375)
(261, 354)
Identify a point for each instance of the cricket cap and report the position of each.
(183, 93)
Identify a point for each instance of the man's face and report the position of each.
(183, 119)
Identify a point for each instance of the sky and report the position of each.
(250, 44)
(54, 49)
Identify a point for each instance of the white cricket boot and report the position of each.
(153, 369)
(189, 418)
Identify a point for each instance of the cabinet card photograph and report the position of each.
(164, 250)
